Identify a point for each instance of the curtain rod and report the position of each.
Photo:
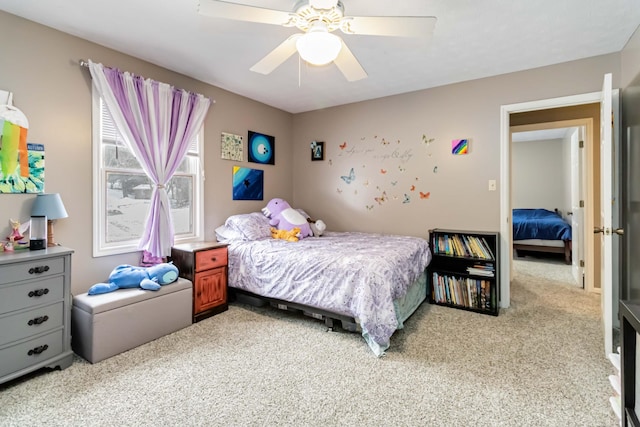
(85, 64)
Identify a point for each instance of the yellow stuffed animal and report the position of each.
(289, 236)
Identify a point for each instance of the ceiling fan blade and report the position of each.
(399, 26)
(242, 12)
(349, 65)
(277, 56)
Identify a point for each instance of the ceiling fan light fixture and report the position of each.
(319, 47)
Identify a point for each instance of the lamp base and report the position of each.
(50, 241)
(36, 244)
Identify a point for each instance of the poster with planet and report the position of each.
(261, 148)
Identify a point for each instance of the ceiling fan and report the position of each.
(318, 19)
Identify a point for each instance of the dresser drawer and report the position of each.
(31, 294)
(28, 323)
(206, 260)
(31, 270)
(30, 353)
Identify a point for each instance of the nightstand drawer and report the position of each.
(31, 294)
(32, 322)
(206, 260)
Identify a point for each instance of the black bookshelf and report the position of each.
(465, 270)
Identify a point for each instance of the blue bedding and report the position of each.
(539, 224)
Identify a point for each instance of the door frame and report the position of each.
(506, 229)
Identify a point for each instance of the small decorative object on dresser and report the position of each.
(35, 311)
(465, 270)
(205, 264)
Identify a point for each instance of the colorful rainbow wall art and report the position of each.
(459, 146)
(21, 163)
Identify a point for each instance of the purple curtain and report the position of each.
(158, 122)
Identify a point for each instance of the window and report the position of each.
(122, 191)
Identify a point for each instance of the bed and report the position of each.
(370, 283)
(541, 230)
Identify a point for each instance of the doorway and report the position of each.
(536, 112)
(550, 176)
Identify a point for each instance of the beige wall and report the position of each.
(40, 66)
(630, 59)
(538, 175)
(459, 196)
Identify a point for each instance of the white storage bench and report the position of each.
(107, 324)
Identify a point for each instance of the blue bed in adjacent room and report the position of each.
(541, 230)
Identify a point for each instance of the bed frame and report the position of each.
(330, 319)
(566, 250)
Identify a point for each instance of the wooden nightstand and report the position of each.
(205, 264)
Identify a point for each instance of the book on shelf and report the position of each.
(463, 291)
(485, 270)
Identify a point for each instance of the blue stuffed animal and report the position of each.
(130, 276)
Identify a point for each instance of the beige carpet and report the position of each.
(540, 363)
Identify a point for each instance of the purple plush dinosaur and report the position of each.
(282, 216)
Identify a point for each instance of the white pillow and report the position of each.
(252, 226)
(225, 234)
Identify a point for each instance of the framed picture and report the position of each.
(262, 148)
(459, 147)
(248, 184)
(231, 147)
(317, 150)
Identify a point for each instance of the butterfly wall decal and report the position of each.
(383, 171)
(425, 195)
(426, 140)
(413, 188)
(343, 145)
(407, 199)
(349, 178)
(382, 198)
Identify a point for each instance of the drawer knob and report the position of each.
(214, 259)
(38, 320)
(37, 350)
(38, 292)
(39, 269)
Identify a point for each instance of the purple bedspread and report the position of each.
(351, 273)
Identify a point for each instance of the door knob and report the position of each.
(597, 230)
(619, 231)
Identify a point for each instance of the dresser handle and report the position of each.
(38, 320)
(39, 269)
(38, 350)
(214, 259)
(38, 293)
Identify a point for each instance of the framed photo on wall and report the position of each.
(262, 148)
(317, 150)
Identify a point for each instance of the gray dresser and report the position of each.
(35, 311)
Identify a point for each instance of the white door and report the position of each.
(577, 200)
(606, 200)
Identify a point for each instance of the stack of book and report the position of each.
(481, 270)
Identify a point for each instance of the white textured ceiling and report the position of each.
(472, 39)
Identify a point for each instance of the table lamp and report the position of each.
(51, 206)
